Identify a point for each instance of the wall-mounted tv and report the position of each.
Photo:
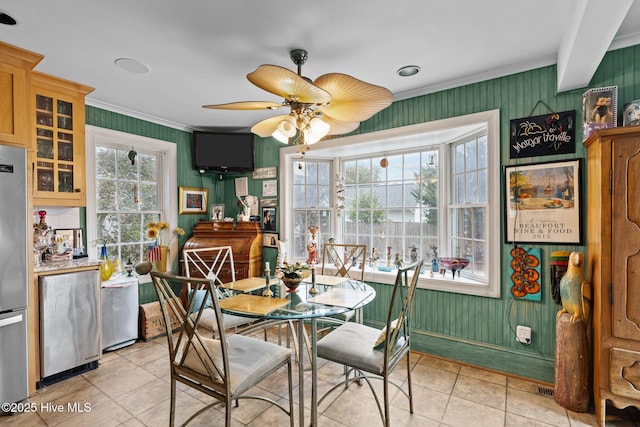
(223, 152)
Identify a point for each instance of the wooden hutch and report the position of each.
(245, 239)
(613, 244)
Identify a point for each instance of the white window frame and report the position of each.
(167, 175)
(374, 142)
(322, 235)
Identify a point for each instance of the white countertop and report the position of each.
(67, 265)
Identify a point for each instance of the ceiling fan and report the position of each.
(333, 104)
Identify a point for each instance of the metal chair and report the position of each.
(212, 263)
(348, 260)
(370, 353)
(224, 368)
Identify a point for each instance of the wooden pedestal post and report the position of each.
(572, 364)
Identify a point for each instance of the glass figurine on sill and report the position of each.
(434, 260)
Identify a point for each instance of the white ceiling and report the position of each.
(199, 51)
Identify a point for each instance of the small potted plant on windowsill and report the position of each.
(292, 274)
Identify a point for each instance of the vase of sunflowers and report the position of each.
(158, 252)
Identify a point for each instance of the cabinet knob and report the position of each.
(77, 190)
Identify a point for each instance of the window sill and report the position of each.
(437, 282)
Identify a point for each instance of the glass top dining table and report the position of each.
(329, 297)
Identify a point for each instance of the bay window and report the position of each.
(423, 189)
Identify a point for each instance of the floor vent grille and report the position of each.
(545, 391)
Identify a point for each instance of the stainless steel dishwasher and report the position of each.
(70, 324)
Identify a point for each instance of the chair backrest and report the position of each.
(348, 259)
(398, 327)
(192, 354)
(209, 263)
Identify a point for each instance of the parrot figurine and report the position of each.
(575, 292)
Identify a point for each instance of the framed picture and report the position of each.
(217, 212)
(269, 219)
(270, 240)
(193, 200)
(270, 188)
(242, 186)
(542, 203)
(269, 202)
(599, 110)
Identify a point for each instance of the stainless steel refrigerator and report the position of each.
(13, 274)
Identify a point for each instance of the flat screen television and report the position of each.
(223, 152)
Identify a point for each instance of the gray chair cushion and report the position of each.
(193, 361)
(251, 358)
(208, 320)
(352, 344)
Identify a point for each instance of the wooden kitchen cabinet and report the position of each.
(59, 152)
(245, 239)
(15, 69)
(613, 218)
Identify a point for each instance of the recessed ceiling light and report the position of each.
(7, 19)
(132, 65)
(408, 70)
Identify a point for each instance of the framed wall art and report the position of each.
(269, 219)
(193, 200)
(270, 240)
(269, 202)
(543, 203)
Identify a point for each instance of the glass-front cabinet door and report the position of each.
(59, 175)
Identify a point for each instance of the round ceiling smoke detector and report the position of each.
(132, 65)
(408, 70)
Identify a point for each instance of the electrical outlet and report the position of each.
(523, 334)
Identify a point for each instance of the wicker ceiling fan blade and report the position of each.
(287, 84)
(339, 127)
(352, 100)
(245, 105)
(266, 127)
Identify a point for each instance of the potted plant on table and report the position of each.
(292, 274)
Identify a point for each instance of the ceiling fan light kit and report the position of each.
(333, 104)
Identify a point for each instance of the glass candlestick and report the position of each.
(313, 290)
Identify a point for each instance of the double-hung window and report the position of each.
(408, 192)
(312, 183)
(468, 203)
(128, 191)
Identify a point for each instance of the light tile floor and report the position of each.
(131, 388)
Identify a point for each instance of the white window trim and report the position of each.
(373, 142)
(168, 173)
